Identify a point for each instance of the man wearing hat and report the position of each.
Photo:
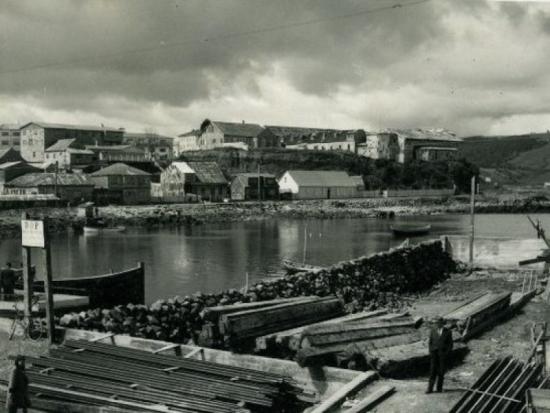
(18, 388)
(440, 345)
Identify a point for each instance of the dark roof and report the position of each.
(15, 154)
(322, 178)
(7, 165)
(11, 126)
(72, 127)
(120, 169)
(255, 175)
(246, 130)
(208, 172)
(145, 135)
(61, 145)
(115, 148)
(48, 179)
(296, 131)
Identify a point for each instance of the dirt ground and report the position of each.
(511, 337)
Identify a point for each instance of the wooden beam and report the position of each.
(372, 400)
(345, 391)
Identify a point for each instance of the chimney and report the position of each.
(243, 122)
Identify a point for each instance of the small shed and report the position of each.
(298, 184)
(247, 186)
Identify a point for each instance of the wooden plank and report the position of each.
(345, 391)
(372, 400)
(165, 348)
(287, 338)
(246, 321)
(478, 305)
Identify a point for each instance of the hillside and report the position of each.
(517, 159)
(376, 174)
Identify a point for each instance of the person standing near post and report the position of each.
(440, 345)
(18, 388)
(7, 279)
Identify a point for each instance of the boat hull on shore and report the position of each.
(107, 290)
(88, 230)
(292, 267)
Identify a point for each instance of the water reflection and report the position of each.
(217, 256)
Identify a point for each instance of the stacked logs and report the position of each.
(366, 283)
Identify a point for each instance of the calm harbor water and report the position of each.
(217, 256)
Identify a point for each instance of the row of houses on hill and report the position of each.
(77, 145)
(400, 145)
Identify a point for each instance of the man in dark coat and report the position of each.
(440, 345)
(7, 280)
(18, 388)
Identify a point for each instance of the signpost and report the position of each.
(34, 234)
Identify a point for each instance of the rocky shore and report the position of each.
(150, 216)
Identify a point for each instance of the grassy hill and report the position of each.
(376, 174)
(516, 159)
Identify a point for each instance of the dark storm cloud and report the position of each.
(175, 61)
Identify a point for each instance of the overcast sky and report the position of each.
(474, 67)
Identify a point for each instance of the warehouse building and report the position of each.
(318, 185)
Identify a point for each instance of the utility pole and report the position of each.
(55, 177)
(472, 219)
(259, 185)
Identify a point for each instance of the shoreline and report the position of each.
(160, 215)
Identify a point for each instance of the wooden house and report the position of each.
(254, 186)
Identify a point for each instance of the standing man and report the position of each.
(18, 388)
(440, 345)
(7, 280)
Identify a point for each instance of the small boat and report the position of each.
(292, 267)
(408, 230)
(92, 230)
(106, 290)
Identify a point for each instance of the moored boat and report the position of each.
(293, 267)
(408, 230)
(92, 230)
(106, 290)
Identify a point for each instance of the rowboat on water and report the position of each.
(292, 267)
(127, 286)
(409, 230)
(93, 230)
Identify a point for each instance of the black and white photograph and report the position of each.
(275, 206)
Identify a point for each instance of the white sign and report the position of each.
(32, 233)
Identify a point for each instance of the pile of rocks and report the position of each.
(365, 283)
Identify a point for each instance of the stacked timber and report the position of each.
(235, 326)
(106, 376)
(479, 313)
(343, 342)
(501, 388)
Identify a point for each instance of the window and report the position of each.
(5, 134)
(5, 143)
(16, 133)
(34, 154)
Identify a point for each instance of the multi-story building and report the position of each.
(36, 137)
(411, 140)
(158, 147)
(318, 139)
(119, 153)
(186, 142)
(381, 145)
(66, 154)
(435, 153)
(10, 136)
(123, 183)
(216, 134)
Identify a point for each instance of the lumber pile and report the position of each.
(340, 342)
(107, 376)
(237, 326)
(501, 388)
(484, 311)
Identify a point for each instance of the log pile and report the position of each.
(344, 342)
(501, 388)
(236, 326)
(363, 284)
(95, 374)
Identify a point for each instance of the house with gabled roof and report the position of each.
(217, 134)
(297, 184)
(122, 183)
(203, 179)
(67, 153)
(65, 186)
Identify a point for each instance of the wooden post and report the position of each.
(259, 186)
(472, 219)
(27, 278)
(47, 263)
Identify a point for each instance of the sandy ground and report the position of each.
(510, 337)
